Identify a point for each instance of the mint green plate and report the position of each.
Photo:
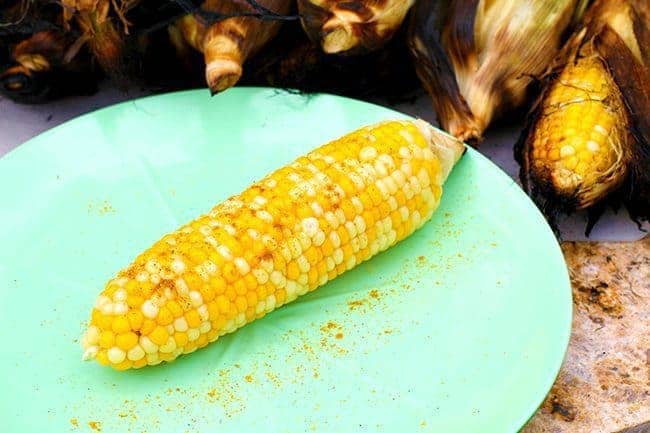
(460, 328)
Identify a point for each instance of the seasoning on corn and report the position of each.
(476, 59)
(285, 235)
(585, 141)
(352, 26)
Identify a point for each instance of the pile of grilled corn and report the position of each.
(582, 65)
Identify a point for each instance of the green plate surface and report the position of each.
(460, 328)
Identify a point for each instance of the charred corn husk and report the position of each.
(587, 138)
(228, 43)
(352, 26)
(477, 58)
(284, 236)
(103, 25)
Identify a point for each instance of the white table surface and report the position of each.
(19, 123)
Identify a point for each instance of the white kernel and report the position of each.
(379, 227)
(155, 279)
(338, 255)
(566, 151)
(350, 262)
(305, 240)
(363, 240)
(405, 152)
(404, 213)
(261, 275)
(408, 191)
(302, 280)
(427, 154)
(261, 306)
(148, 345)
(210, 266)
(292, 290)
(360, 223)
(119, 295)
(120, 308)
(278, 279)
(329, 159)
(169, 346)
(178, 266)
(286, 253)
(593, 146)
(415, 184)
(253, 234)
(294, 247)
(240, 319)
(381, 186)
(399, 178)
(205, 230)
(230, 229)
(302, 289)
(354, 243)
(417, 152)
(310, 226)
(367, 153)
(264, 216)
(152, 359)
(153, 267)
(269, 242)
(180, 324)
(406, 169)
(181, 287)
(135, 353)
(142, 276)
(101, 301)
(331, 219)
(229, 326)
(303, 264)
(242, 265)
(193, 334)
(374, 247)
(294, 177)
(322, 279)
(423, 178)
(415, 217)
(203, 312)
(357, 181)
(271, 183)
(387, 223)
(170, 329)
(116, 355)
(392, 236)
(90, 353)
(260, 201)
(91, 337)
(351, 228)
(225, 252)
(330, 263)
(319, 238)
(391, 185)
(392, 203)
(317, 208)
(335, 239)
(205, 327)
(381, 169)
(107, 308)
(149, 309)
(267, 265)
(357, 203)
(387, 160)
(177, 352)
(428, 197)
(340, 215)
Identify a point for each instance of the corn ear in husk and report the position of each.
(351, 27)
(228, 43)
(587, 139)
(477, 58)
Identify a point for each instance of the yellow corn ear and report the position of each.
(285, 235)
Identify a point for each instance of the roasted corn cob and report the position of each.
(477, 58)
(287, 234)
(352, 26)
(586, 136)
(228, 43)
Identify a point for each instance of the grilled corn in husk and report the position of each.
(587, 140)
(344, 26)
(477, 58)
(38, 60)
(228, 43)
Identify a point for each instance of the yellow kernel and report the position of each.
(193, 319)
(140, 362)
(251, 281)
(230, 293)
(159, 335)
(103, 321)
(120, 324)
(240, 287)
(293, 272)
(126, 341)
(134, 301)
(229, 272)
(165, 316)
(213, 310)
(102, 357)
(148, 326)
(175, 308)
(223, 303)
(106, 339)
(241, 304)
(218, 284)
(181, 339)
(135, 319)
(207, 293)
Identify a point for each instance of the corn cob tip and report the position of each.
(448, 149)
(222, 74)
(337, 39)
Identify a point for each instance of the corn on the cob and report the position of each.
(584, 139)
(228, 43)
(352, 26)
(478, 58)
(287, 234)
